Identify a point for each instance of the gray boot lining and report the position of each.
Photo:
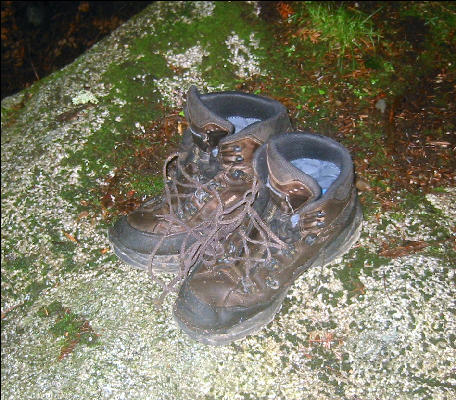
(324, 172)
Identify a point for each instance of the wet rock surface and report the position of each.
(79, 324)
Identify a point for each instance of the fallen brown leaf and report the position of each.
(362, 184)
(400, 251)
(83, 214)
(68, 349)
(72, 238)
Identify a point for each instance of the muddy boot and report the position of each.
(313, 216)
(215, 156)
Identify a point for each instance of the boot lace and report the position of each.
(204, 242)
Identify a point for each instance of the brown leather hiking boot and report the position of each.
(312, 216)
(214, 164)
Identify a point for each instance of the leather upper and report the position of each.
(216, 155)
(297, 213)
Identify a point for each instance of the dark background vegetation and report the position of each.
(40, 37)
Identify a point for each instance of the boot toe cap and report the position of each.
(198, 317)
(127, 236)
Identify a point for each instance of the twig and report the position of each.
(31, 61)
(7, 311)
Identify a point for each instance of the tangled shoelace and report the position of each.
(204, 242)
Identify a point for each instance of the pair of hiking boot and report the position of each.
(248, 207)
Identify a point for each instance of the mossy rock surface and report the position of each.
(79, 324)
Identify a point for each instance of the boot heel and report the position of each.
(346, 239)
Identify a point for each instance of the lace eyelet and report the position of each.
(201, 195)
(214, 184)
(310, 239)
(232, 249)
(189, 209)
(247, 285)
(271, 264)
(237, 173)
(274, 284)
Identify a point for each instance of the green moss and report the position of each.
(105, 149)
(11, 112)
(50, 310)
(178, 36)
(70, 328)
(68, 324)
(427, 214)
(134, 83)
(414, 201)
(34, 289)
(369, 204)
(146, 185)
(211, 33)
(360, 261)
(430, 382)
(341, 29)
(444, 252)
(10, 115)
(22, 263)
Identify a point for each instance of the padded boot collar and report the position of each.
(230, 117)
(206, 126)
(290, 187)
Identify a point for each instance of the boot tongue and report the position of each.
(207, 127)
(290, 187)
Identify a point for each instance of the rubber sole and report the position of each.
(160, 263)
(346, 239)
